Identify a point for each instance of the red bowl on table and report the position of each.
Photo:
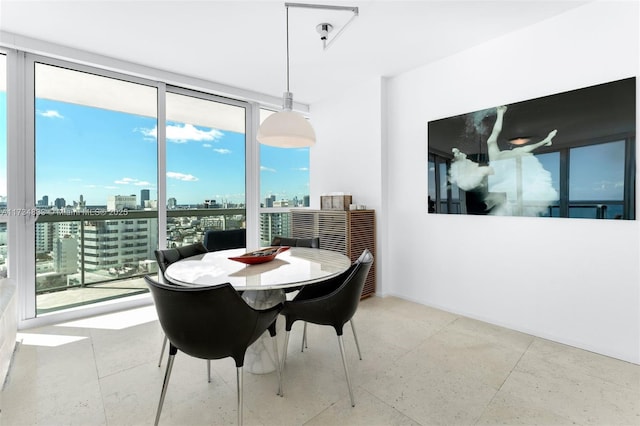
(260, 256)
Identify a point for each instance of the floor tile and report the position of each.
(420, 366)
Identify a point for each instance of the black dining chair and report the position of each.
(333, 303)
(295, 242)
(165, 258)
(210, 323)
(216, 240)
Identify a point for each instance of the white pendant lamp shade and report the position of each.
(286, 129)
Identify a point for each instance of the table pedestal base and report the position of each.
(259, 358)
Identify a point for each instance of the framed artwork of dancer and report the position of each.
(570, 154)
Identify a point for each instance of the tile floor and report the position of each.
(421, 366)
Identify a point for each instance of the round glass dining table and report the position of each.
(294, 267)
(262, 285)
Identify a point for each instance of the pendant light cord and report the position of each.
(287, 48)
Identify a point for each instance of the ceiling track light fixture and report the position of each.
(289, 129)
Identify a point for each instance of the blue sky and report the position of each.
(97, 153)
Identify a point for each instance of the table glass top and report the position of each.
(294, 267)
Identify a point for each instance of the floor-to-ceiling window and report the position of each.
(205, 166)
(95, 186)
(284, 184)
(113, 166)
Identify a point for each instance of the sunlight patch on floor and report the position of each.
(116, 321)
(50, 340)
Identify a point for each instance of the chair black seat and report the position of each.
(209, 323)
(332, 303)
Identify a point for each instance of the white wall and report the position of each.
(348, 155)
(572, 281)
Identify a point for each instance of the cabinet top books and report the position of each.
(335, 202)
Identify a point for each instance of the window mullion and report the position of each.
(162, 164)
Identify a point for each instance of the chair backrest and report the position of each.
(209, 322)
(347, 296)
(296, 242)
(167, 256)
(223, 240)
(341, 296)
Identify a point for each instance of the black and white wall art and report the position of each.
(570, 154)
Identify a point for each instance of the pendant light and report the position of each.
(286, 129)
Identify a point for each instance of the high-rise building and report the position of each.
(272, 224)
(172, 203)
(67, 228)
(119, 243)
(144, 196)
(65, 255)
(60, 203)
(45, 235)
(211, 204)
(121, 202)
(44, 202)
(81, 204)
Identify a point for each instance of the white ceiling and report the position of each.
(242, 43)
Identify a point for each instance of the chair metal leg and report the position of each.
(164, 345)
(346, 370)
(284, 358)
(209, 370)
(304, 338)
(165, 384)
(240, 394)
(277, 363)
(284, 352)
(355, 337)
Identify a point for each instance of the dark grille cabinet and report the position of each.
(348, 232)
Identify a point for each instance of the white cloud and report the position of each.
(185, 133)
(267, 169)
(153, 133)
(181, 176)
(207, 145)
(222, 151)
(125, 181)
(50, 113)
(132, 181)
(301, 169)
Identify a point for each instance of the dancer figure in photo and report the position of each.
(492, 142)
(519, 185)
(513, 183)
(467, 174)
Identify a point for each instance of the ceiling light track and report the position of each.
(287, 128)
(325, 28)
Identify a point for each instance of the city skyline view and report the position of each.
(79, 151)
